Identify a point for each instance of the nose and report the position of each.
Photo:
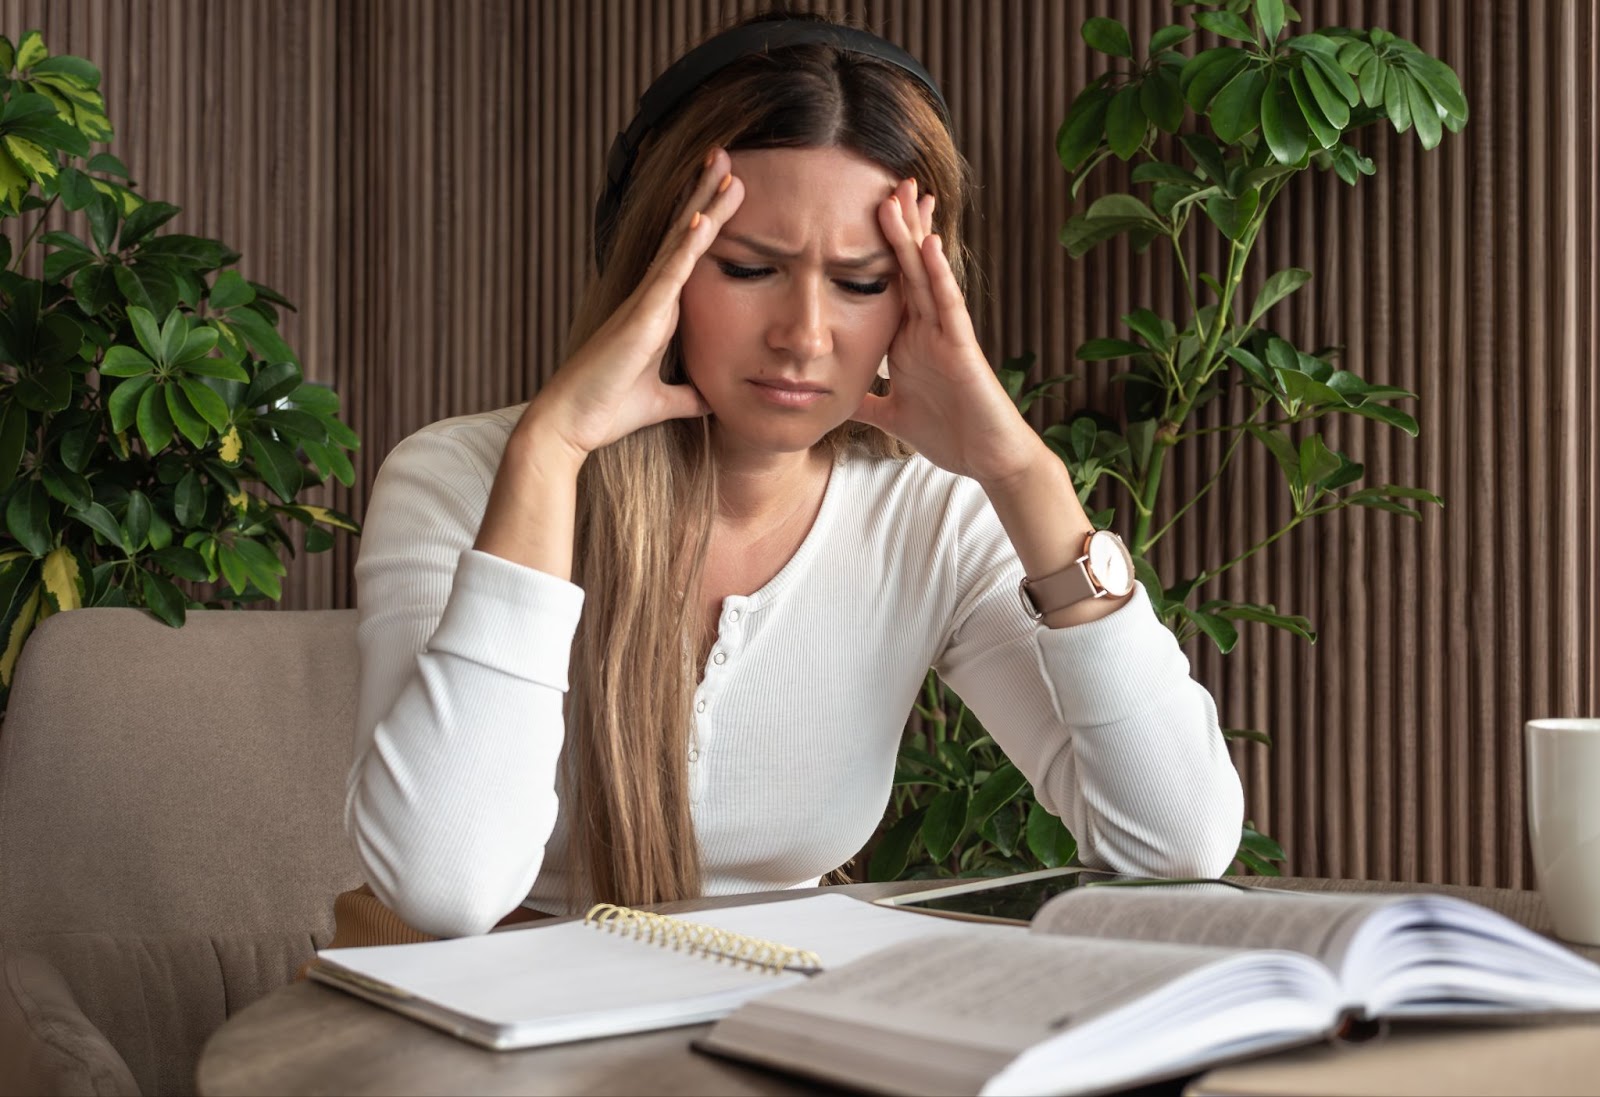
(802, 328)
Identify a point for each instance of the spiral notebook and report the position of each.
(620, 970)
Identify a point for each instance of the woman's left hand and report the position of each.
(944, 399)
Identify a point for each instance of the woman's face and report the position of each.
(786, 317)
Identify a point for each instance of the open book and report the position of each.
(621, 970)
(1119, 984)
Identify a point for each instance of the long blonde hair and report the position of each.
(645, 503)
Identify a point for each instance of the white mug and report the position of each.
(1563, 759)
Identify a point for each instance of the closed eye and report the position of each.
(865, 289)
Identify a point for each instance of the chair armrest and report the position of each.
(47, 1045)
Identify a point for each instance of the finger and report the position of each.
(682, 402)
(875, 411)
(952, 306)
(698, 232)
(925, 207)
(919, 299)
(716, 167)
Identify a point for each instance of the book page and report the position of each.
(1003, 995)
(1216, 914)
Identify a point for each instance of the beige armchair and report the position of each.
(170, 836)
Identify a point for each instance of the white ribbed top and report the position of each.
(452, 801)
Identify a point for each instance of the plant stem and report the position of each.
(1233, 448)
(1207, 576)
(16, 260)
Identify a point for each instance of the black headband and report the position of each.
(697, 66)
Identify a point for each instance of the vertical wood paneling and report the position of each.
(418, 177)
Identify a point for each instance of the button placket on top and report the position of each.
(730, 639)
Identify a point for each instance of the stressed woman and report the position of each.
(655, 633)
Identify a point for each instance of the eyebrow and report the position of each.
(768, 251)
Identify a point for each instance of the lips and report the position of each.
(788, 394)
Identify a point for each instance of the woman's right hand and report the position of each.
(612, 386)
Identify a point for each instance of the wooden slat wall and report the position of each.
(417, 175)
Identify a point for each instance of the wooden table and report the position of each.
(311, 1039)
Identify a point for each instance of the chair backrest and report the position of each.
(160, 780)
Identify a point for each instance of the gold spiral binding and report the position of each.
(703, 940)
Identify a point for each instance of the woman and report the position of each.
(712, 507)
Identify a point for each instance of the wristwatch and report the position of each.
(1103, 570)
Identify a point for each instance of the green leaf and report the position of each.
(28, 518)
(1154, 171)
(1001, 787)
(230, 290)
(99, 519)
(1167, 37)
(124, 401)
(1424, 114)
(1219, 629)
(185, 418)
(1275, 289)
(1107, 36)
(148, 285)
(196, 344)
(211, 407)
(1226, 24)
(1104, 350)
(1161, 101)
(1236, 110)
(125, 362)
(889, 856)
(945, 822)
(189, 499)
(262, 565)
(136, 521)
(163, 599)
(146, 330)
(145, 220)
(94, 289)
(1126, 125)
(1337, 78)
(182, 562)
(47, 389)
(153, 420)
(30, 51)
(1372, 80)
(1208, 72)
(102, 213)
(1326, 135)
(263, 336)
(1441, 83)
(1269, 13)
(1232, 215)
(1397, 100)
(1392, 416)
(1259, 844)
(233, 569)
(216, 367)
(1332, 105)
(1282, 449)
(13, 440)
(1248, 734)
(1083, 129)
(275, 464)
(66, 486)
(1048, 839)
(1208, 155)
(1154, 330)
(1123, 206)
(1317, 461)
(272, 382)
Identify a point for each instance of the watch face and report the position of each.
(1110, 564)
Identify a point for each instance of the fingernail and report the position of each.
(727, 181)
(694, 222)
(711, 158)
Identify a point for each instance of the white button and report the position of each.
(733, 615)
(719, 658)
(699, 706)
(694, 755)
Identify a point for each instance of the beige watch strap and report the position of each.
(1059, 589)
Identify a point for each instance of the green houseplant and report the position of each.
(1266, 106)
(155, 429)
